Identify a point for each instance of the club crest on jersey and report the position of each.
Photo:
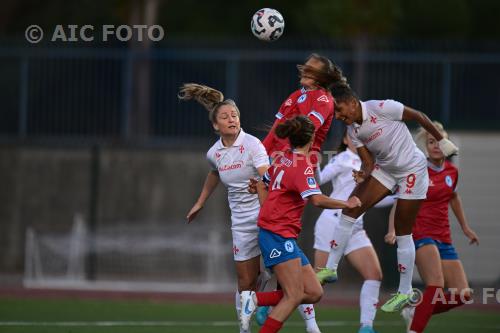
(302, 98)
(274, 254)
(311, 182)
(309, 171)
(448, 181)
(288, 102)
(242, 149)
(322, 98)
(289, 246)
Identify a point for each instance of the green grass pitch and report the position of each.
(76, 316)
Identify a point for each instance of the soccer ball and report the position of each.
(267, 24)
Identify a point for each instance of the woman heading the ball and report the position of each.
(313, 100)
(389, 159)
(291, 184)
(234, 158)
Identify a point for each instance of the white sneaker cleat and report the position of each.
(313, 330)
(407, 314)
(248, 308)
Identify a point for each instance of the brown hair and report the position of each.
(342, 92)
(212, 99)
(327, 76)
(299, 130)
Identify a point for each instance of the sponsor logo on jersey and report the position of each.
(373, 119)
(302, 98)
(289, 246)
(228, 167)
(288, 102)
(274, 254)
(322, 98)
(373, 136)
(309, 171)
(431, 183)
(311, 182)
(448, 181)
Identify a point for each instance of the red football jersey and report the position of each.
(432, 219)
(316, 104)
(291, 181)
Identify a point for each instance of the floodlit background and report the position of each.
(100, 163)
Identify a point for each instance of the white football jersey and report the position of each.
(387, 137)
(339, 172)
(236, 165)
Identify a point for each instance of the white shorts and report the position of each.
(324, 229)
(411, 186)
(245, 244)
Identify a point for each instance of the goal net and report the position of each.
(131, 257)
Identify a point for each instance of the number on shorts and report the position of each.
(410, 180)
(277, 181)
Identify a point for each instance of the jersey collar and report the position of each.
(434, 167)
(237, 143)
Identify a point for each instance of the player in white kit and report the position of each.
(359, 250)
(390, 159)
(234, 159)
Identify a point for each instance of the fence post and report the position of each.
(232, 78)
(23, 98)
(445, 99)
(126, 95)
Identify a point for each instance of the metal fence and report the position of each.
(125, 95)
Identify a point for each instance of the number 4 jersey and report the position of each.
(291, 181)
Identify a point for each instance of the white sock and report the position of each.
(307, 313)
(342, 232)
(368, 300)
(406, 262)
(237, 302)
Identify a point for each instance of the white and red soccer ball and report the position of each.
(267, 24)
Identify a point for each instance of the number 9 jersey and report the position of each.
(291, 181)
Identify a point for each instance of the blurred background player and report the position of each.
(234, 158)
(291, 184)
(359, 250)
(436, 258)
(314, 100)
(389, 158)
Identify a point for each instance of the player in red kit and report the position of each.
(314, 100)
(436, 258)
(291, 182)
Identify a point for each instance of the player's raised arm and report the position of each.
(447, 147)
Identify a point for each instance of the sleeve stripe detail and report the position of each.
(317, 115)
(308, 193)
(265, 178)
(279, 115)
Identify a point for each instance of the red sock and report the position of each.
(271, 326)
(269, 298)
(449, 303)
(423, 311)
